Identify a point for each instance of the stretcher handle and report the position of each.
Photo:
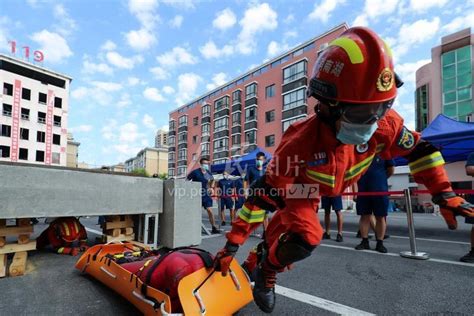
(202, 307)
(165, 313)
(143, 299)
(234, 279)
(110, 274)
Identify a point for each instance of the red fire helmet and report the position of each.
(356, 67)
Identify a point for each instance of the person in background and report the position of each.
(254, 174)
(203, 175)
(469, 257)
(336, 203)
(226, 191)
(374, 180)
(239, 192)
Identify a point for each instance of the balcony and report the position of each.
(237, 107)
(205, 153)
(206, 119)
(172, 133)
(295, 112)
(251, 101)
(235, 151)
(182, 141)
(236, 129)
(250, 125)
(182, 162)
(171, 149)
(224, 153)
(182, 145)
(224, 133)
(171, 165)
(182, 129)
(221, 113)
(295, 84)
(250, 148)
(205, 139)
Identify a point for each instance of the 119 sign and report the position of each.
(38, 55)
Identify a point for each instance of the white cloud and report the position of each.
(373, 9)
(120, 61)
(424, 5)
(361, 20)
(66, 23)
(81, 128)
(274, 48)
(5, 26)
(153, 94)
(128, 133)
(177, 56)
(124, 100)
(460, 23)
(141, 39)
(176, 21)
(109, 131)
(133, 81)
(79, 93)
(210, 50)
(106, 85)
(407, 111)
(217, 80)
(108, 46)
(91, 68)
(407, 71)
(187, 86)
(225, 19)
(323, 10)
(289, 19)
(159, 73)
(257, 19)
(144, 11)
(168, 89)
(149, 122)
(415, 33)
(180, 4)
(53, 45)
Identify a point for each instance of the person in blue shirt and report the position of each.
(239, 191)
(469, 257)
(336, 203)
(226, 194)
(254, 173)
(374, 180)
(203, 175)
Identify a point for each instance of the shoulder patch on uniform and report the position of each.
(406, 140)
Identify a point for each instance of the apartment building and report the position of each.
(153, 160)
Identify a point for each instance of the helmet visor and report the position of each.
(364, 113)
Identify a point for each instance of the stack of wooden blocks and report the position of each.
(118, 228)
(22, 230)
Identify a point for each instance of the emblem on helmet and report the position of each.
(385, 80)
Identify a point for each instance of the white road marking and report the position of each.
(418, 238)
(319, 302)
(94, 231)
(397, 255)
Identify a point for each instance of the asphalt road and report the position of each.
(335, 279)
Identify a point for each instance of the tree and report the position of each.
(140, 172)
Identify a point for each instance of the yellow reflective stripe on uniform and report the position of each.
(426, 162)
(255, 216)
(77, 227)
(350, 47)
(322, 178)
(66, 229)
(61, 250)
(358, 168)
(379, 148)
(387, 49)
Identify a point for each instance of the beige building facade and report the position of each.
(72, 152)
(153, 160)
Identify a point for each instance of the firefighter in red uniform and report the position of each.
(61, 234)
(355, 85)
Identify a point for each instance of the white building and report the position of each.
(34, 113)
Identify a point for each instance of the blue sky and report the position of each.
(133, 61)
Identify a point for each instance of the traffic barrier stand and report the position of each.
(22, 229)
(118, 228)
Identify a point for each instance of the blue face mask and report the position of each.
(205, 166)
(259, 163)
(355, 134)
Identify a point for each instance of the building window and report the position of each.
(4, 151)
(270, 141)
(170, 173)
(172, 125)
(40, 137)
(222, 103)
(294, 72)
(182, 171)
(24, 133)
(250, 114)
(42, 117)
(42, 98)
(58, 102)
(205, 148)
(23, 154)
(7, 109)
(171, 140)
(221, 124)
(57, 120)
(251, 91)
(206, 129)
(195, 137)
(7, 89)
(183, 121)
(236, 139)
(183, 154)
(221, 144)
(171, 156)
(25, 94)
(251, 137)
(287, 124)
(294, 99)
(182, 138)
(236, 118)
(195, 121)
(55, 158)
(56, 139)
(270, 91)
(25, 114)
(40, 155)
(421, 114)
(6, 131)
(269, 116)
(206, 110)
(236, 96)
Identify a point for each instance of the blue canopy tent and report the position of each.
(454, 139)
(236, 166)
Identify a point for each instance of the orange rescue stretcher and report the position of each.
(201, 292)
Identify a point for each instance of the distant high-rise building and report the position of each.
(72, 152)
(161, 139)
(33, 122)
(445, 84)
